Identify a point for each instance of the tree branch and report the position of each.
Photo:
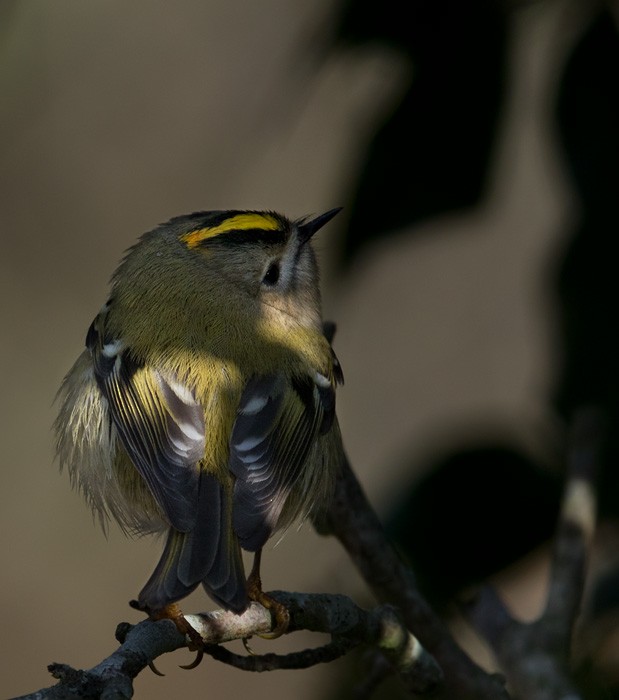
(348, 625)
(536, 655)
(353, 521)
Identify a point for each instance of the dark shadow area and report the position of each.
(484, 505)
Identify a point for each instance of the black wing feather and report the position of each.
(162, 432)
(274, 430)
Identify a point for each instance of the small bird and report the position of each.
(204, 402)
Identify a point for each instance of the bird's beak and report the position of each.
(309, 228)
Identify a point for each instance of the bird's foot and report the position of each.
(279, 611)
(173, 612)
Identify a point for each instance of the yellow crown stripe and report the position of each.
(240, 222)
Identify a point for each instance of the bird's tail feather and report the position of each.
(209, 554)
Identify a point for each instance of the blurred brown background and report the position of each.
(116, 116)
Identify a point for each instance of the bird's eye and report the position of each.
(271, 276)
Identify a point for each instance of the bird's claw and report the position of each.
(174, 613)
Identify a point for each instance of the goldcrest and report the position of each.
(204, 403)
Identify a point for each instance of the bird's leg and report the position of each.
(255, 592)
(173, 612)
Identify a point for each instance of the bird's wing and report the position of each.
(277, 421)
(160, 423)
